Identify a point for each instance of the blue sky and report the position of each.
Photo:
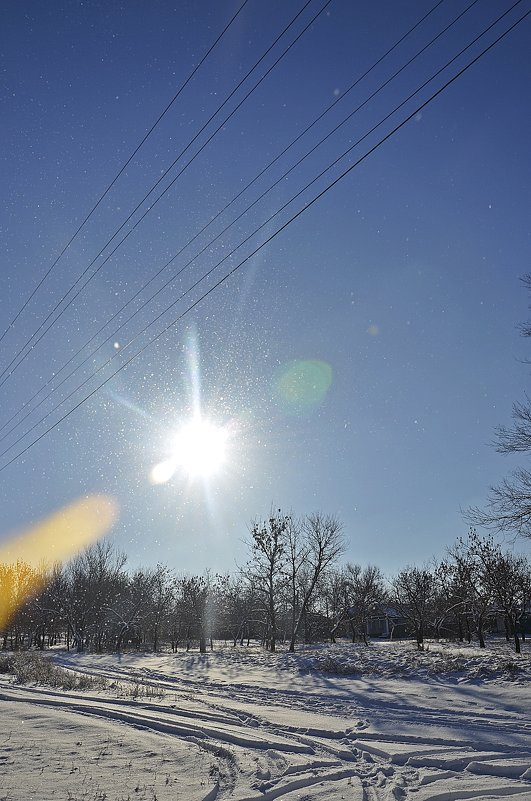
(397, 294)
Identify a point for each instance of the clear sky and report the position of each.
(358, 364)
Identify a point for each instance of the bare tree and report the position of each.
(504, 579)
(511, 578)
(129, 611)
(296, 555)
(508, 507)
(266, 568)
(237, 603)
(46, 610)
(524, 582)
(161, 600)
(336, 600)
(19, 583)
(323, 544)
(366, 594)
(94, 581)
(192, 600)
(413, 594)
(449, 600)
(472, 578)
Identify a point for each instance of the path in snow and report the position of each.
(232, 726)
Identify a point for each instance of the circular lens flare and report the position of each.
(162, 472)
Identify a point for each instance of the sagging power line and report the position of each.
(28, 347)
(270, 238)
(122, 169)
(245, 211)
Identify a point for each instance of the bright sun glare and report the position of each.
(199, 448)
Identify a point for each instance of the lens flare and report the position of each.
(53, 540)
(162, 472)
(302, 385)
(64, 533)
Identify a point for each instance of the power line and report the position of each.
(123, 168)
(7, 370)
(228, 255)
(245, 211)
(65, 295)
(279, 230)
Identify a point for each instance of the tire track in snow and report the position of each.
(157, 678)
(476, 721)
(306, 774)
(374, 766)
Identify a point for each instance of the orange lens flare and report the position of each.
(24, 558)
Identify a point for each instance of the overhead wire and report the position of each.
(7, 373)
(123, 168)
(190, 241)
(65, 295)
(271, 237)
(261, 226)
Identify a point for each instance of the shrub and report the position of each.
(6, 663)
(330, 665)
(29, 667)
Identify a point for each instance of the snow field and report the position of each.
(248, 725)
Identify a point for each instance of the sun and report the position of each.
(198, 448)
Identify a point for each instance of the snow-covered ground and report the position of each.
(382, 723)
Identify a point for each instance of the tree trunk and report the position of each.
(293, 617)
(272, 618)
(120, 638)
(364, 635)
(513, 626)
(480, 634)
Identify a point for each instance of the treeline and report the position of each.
(291, 588)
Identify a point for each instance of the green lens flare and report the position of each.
(302, 385)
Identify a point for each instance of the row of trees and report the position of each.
(290, 588)
(476, 581)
